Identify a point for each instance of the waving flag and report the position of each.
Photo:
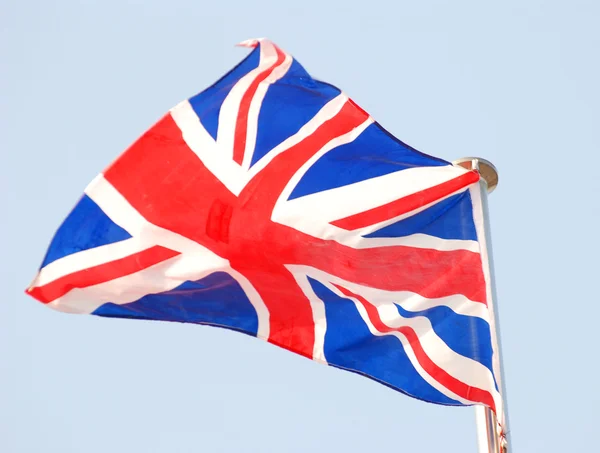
(273, 205)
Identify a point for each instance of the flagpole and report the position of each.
(489, 437)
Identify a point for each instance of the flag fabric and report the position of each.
(271, 204)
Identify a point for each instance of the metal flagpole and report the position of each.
(489, 439)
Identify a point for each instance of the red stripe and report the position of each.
(241, 126)
(406, 204)
(430, 273)
(457, 387)
(290, 314)
(102, 273)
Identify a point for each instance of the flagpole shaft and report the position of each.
(490, 418)
(487, 434)
(488, 437)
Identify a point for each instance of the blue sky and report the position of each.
(514, 82)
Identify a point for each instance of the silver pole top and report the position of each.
(485, 168)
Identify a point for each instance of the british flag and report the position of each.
(273, 205)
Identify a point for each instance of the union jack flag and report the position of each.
(273, 205)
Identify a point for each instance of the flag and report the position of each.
(273, 205)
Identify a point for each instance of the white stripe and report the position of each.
(256, 104)
(341, 202)
(281, 212)
(458, 303)
(319, 316)
(251, 43)
(88, 258)
(115, 206)
(417, 240)
(202, 144)
(327, 112)
(228, 114)
(161, 277)
(262, 312)
(118, 209)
